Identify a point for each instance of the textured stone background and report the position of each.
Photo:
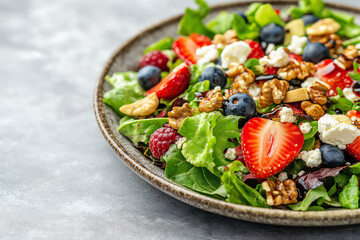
(59, 179)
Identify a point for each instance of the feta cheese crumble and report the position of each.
(269, 48)
(231, 154)
(283, 176)
(297, 44)
(287, 115)
(277, 58)
(312, 158)
(349, 94)
(337, 130)
(305, 128)
(179, 143)
(235, 52)
(254, 91)
(207, 54)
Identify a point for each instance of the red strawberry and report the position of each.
(330, 73)
(185, 47)
(257, 51)
(173, 84)
(354, 149)
(269, 146)
(271, 70)
(200, 40)
(155, 58)
(293, 56)
(161, 140)
(353, 113)
(296, 107)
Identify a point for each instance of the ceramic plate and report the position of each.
(126, 58)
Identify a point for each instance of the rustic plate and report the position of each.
(126, 58)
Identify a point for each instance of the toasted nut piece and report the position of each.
(314, 110)
(213, 101)
(229, 37)
(243, 78)
(323, 26)
(296, 69)
(280, 193)
(317, 145)
(178, 115)
(346, 59)
(142, 107)
(318, 92)
(297, 95)
(273, 91)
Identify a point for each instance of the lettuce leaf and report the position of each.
(340, 102)
(244, 30)
(118, 97)
(308, 144)
(313, 131)
(195, 178)
(349, 196)
(221, 23)
(196, 70)
(189, 94)
(125, 80)
(311, 196)
(356, 74)
(207, 137)
(192, 21)
(162, 44)
(140, 130)
(238, 191)
(265, 14)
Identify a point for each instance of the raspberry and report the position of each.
(162, 139)
(155, 58)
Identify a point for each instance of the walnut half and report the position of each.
(296, 69)
(316, 111)
(280, 193)
(178, 115)
(318, 91)
(273, 91)
(213, 101)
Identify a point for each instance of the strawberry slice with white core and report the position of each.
(269, 146)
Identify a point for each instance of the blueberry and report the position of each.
(309, 19)
(148, 77)
(272, 33)
(332, 156)
(215, 75)
(218, 61)
(241, 14)
(315, 52)
(240, 104)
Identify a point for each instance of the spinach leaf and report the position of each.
(341, 180)
(118, 97)
(313, 131)
(244, 30)
(340, 102)
(195, 178)
(295, 167)
(349, 196)
(308, 144)
(192, 21)
(267, 109)
(140, 130)
(354, 169)
(162, 44)
(311, 196)
(239, 192)
(355, 75)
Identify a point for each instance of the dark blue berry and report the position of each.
(218, 61)
(272, 33)
(315, 52)
(240, 104)
(215, 75)
(332, 156)
(148, 77)
(241, 14)
(309, 19)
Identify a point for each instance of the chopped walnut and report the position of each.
(323, 26)
(243, 78)
(316, 111)
(213, 101)
(346, 59)
(280, 193)
(235, 88)
(229, 37)
(332, 41)
(178, 115)
(296, 69)
(317, 145)
(318, 91)
(273, 91)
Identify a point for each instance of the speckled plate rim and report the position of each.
(247, 213)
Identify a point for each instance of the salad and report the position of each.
(260, 108)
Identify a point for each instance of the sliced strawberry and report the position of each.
(293, 56)
(330, 73)
(353, 113)
(354, 149)
(185, 47)
(296, 107)
(173, 84)
(257, 51)
(271, 70)
(200, 40)
(269, 146)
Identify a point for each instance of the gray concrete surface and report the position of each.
(58, 177)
